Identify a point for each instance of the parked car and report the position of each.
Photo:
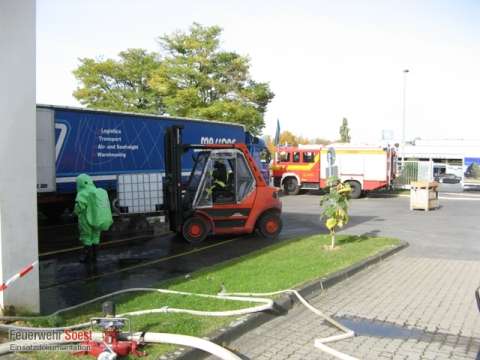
(448, 179)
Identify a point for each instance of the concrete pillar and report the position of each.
(18, 207)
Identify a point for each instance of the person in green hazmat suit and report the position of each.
(94, 215)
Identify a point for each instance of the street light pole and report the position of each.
(405, 72)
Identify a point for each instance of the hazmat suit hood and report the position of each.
(83, 182)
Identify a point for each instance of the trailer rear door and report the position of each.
(45, 151)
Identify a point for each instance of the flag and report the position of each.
(277, 134)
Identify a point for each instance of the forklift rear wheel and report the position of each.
(195, 229)
(290, 186)
(270, 225)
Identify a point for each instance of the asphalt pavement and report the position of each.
(451, 231)
(419, 304)
(145, 262)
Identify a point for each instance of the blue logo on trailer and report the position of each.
(104, 145)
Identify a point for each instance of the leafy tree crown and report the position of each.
(190, 77)
(344, 131)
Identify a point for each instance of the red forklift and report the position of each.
(225, 192)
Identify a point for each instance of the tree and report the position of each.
(475, 170)
(192, 77)
(320, 141)
(344, 131)
(198, 79)
(270, 143)
(121, 85)
(335, 206)
(289, 138)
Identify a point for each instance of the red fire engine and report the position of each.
(307, 167)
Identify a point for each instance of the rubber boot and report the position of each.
(84, 256)
(94, 252)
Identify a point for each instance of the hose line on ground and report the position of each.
(265, 304)
(319, 343)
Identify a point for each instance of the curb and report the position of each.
(283, 303)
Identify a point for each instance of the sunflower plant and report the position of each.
(335, 206)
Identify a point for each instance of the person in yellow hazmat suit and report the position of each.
(92, 207)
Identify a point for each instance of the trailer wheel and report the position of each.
(356, 189)
(290, 186)
(195, 229)
(270, 225)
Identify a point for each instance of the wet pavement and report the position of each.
(367, 327)
(146, 262)
(56, 238)
(65, 282)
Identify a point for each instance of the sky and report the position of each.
(324, 60)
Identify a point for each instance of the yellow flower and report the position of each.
(331, 223)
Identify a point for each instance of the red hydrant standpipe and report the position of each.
(111, 345)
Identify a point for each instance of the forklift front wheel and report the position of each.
(195, 229)
(270, 225)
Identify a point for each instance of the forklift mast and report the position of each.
(173, 176)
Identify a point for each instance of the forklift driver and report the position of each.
(222, 189)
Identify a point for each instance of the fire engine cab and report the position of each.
(307, 167)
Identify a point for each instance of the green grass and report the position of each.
(281, 266)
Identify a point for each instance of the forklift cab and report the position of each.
(219, 177)
(225, 192)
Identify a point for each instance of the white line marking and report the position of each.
(460, 198)
(475, 198)
(462, 194)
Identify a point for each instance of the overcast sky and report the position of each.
(324, 59)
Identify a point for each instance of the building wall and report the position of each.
(18, 215)
(458, 157)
